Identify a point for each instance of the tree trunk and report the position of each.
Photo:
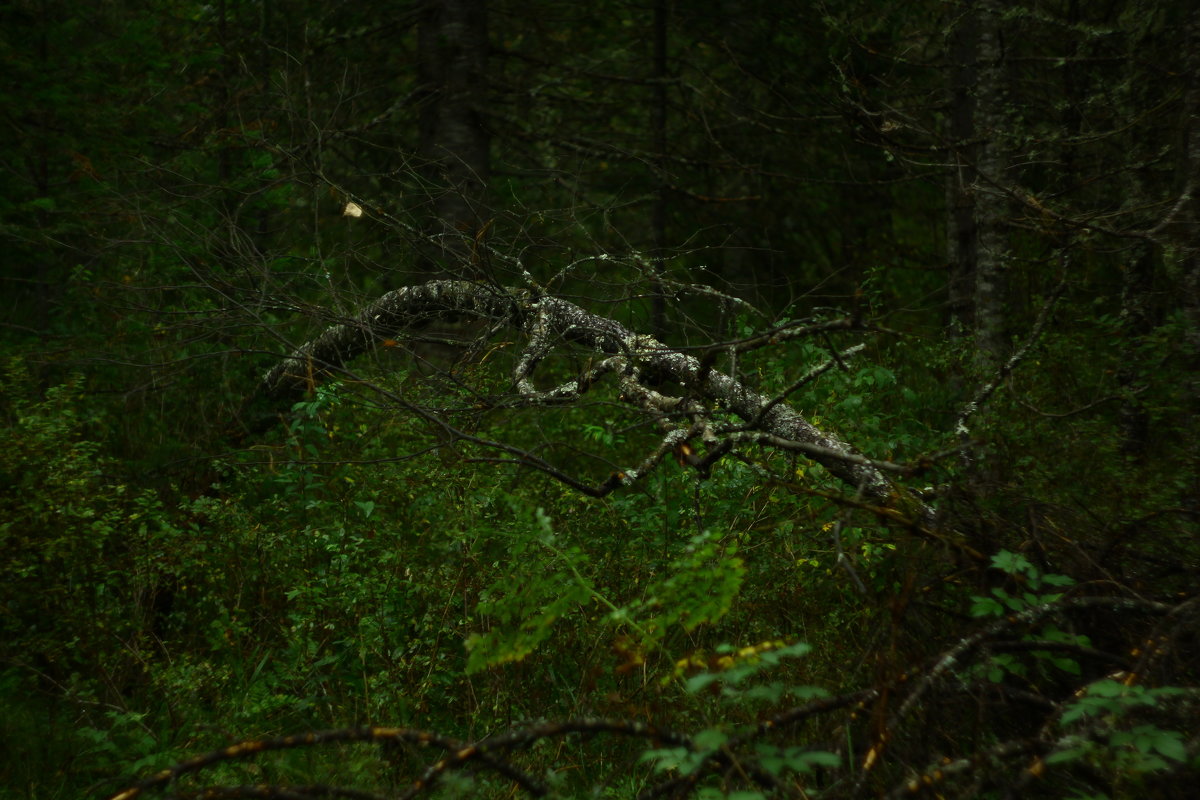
(991, 202)
(1136, 323)
(658, 126)
(961, 245)
(452, 43)
(1189, 244)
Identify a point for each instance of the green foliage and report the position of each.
(1102, 711)
(522, 615)
(82, 552)
(741, 671)
(744, 679)
(698, 587)
(1019, 568)
(1003, 602)
(170, 207)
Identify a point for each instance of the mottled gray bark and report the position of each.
(640, 364)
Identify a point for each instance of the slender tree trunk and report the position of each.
(961, 246)
(1189, 244)
(41, 179)
(1137, 280)
(991, 203)
(658, 124)
(1190, 217)
(1136, 324)
(452, 42)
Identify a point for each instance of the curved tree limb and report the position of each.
(641, 364)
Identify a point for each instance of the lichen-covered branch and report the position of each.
(642, 366)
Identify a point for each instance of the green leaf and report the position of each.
(770, 692)
(41, 204)
(1067, 755)
(666, 758)
(697, 683)
(986, 607)
(1170, 744)
(821, 758)
(1107, 688)
(1068, 665)
(710, 739)
(1012, 563)
(807, 692)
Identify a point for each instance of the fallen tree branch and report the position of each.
(641, 363)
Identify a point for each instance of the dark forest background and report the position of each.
(960, 239)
